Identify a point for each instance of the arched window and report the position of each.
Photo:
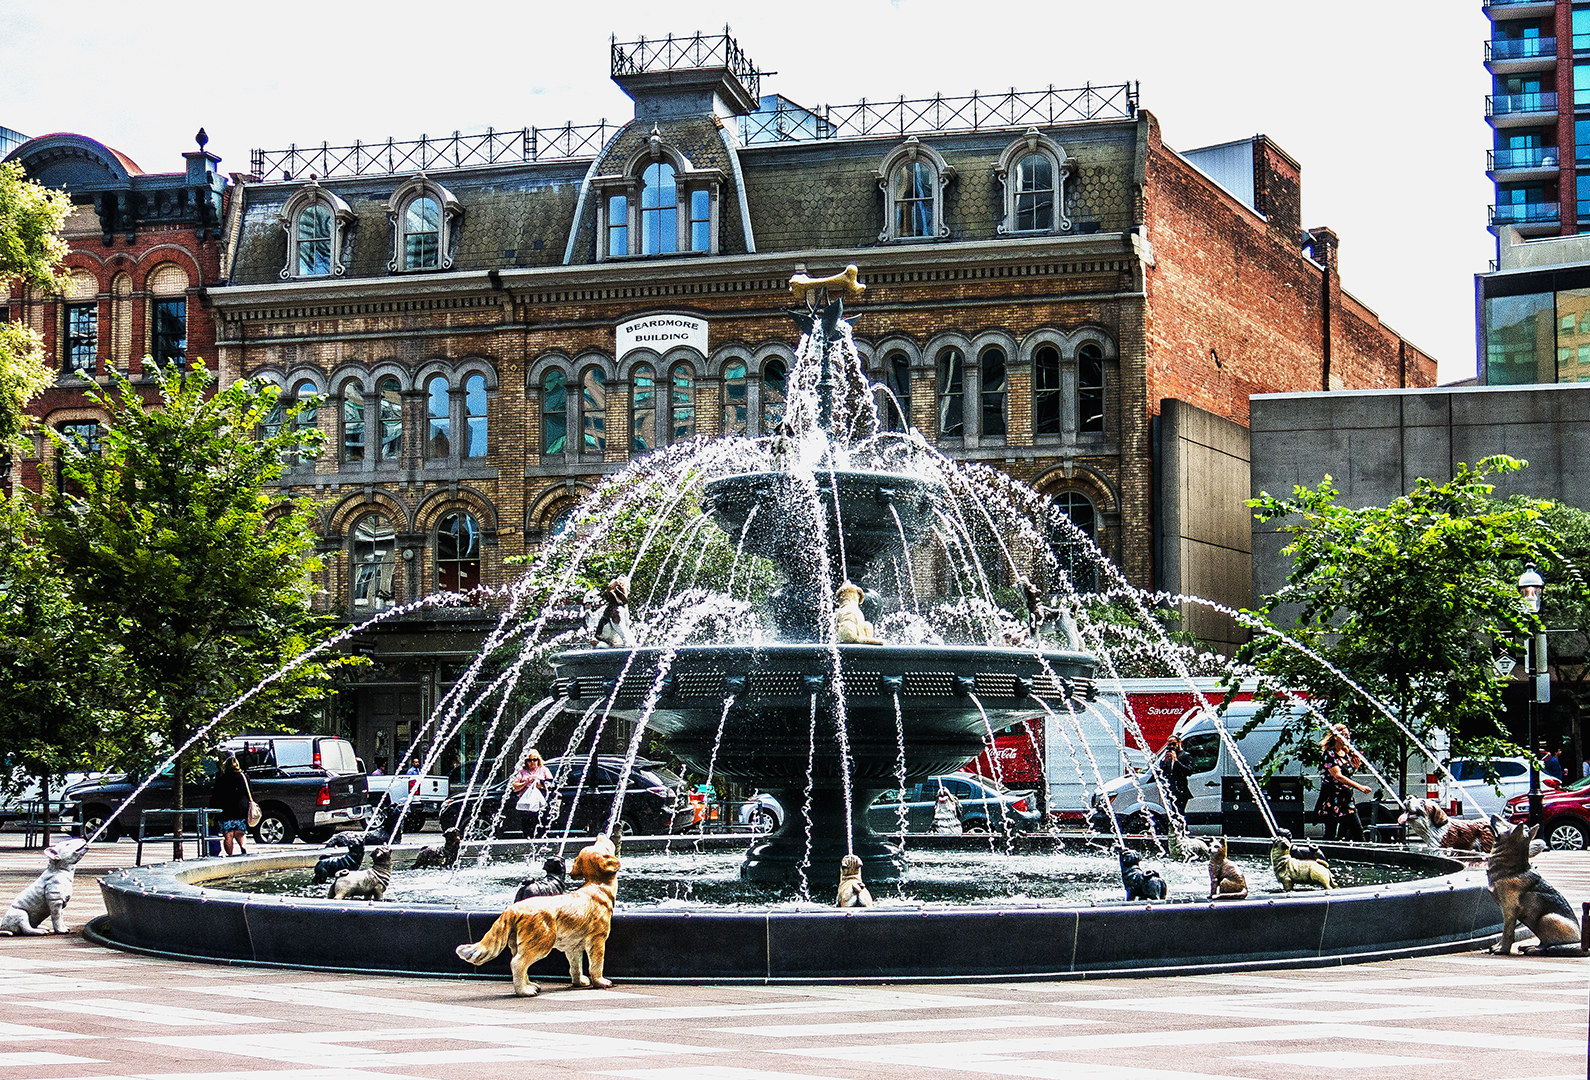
(775, 389)
(424, 218)
(168, 338)
(457, 553)
(1073, 552)
(736, 417)
(352, 423)
(272, 425)
(554, 412)
(618, 225)
(391, 419)
(374, 564)
(682, 404)
(475, 416)
(306, 417)
(1046, 391)
(422, 234)
(593, 412)
(1035, 193)
(952, 393)
(994, 393)
(897, 370)
(1090, 388)
(439, 419)
(912, 177)
(659, 210)
(313, 245)
(643, 409)
(1033, 170)
(82, 324)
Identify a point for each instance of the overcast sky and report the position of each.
(1382, 103)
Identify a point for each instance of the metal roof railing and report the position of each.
(455, 151)
(1016, 108)
(700, 50)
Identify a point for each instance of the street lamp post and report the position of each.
(1530, 587)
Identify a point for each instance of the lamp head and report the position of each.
(1530, 587)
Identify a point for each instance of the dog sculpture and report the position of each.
(554, 883)
(1225, 880)
(1292, 870)
(575, 923)
(329, 866)
(609, 625)
(1426, 818)
(850, 626)
(844, 283)
(444, 857)
(852, 890)
(1140, 884)
(48, 895)
(367, 884)
(1187, 847)
(1525, 897)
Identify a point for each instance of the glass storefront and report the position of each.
(1521, 343)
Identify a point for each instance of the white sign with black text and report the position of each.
(659, 333)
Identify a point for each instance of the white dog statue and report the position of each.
(48, 895)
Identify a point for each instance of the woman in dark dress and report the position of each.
(1173, 767)
(1335, 806)
(231, 796)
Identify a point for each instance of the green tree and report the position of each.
(1565, 610)
(1406, 601)
(31, 250)
(173, 537)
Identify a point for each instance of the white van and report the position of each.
(1135, 796)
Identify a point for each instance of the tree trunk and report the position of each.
(180, 785)
(44, 790)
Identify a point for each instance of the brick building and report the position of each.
(1043, 272)
(143, 248)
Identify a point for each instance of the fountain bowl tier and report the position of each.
(185, 910)
(902, 712)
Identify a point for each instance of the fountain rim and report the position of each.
(165, 902)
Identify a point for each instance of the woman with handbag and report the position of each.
(531, 784)
(235, 802)
(1335, 807)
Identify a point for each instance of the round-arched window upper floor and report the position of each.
(391, 398)
(475, 416)
(313, 236)
(439, 418)
(994, 392)
(775, 394)
(1090, 388)
(736, 399)
(422, 234)
(659, 210)
(554, 412)
(897, 376)
(593, 412)
(373, 564)
(457, 553)
(952, 393)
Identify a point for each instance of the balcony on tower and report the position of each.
(1521, 110)
(1515, 55)
(1517, 163)
(1519, 9)
(1529, 218)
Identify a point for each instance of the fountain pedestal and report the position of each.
(785, 856)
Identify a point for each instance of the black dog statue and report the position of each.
(553, 884)
(1140, 884)
(444, 857)
(330, 865)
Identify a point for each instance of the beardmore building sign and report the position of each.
(495, 322)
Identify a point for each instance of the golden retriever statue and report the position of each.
(575, 923)
(850, 626)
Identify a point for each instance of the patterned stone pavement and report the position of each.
(73, 1010)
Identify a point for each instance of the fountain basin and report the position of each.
(168, 910)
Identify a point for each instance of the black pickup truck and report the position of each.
(299, 781)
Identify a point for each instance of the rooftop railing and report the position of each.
(671, 53)
(921, 116)
(455, 151)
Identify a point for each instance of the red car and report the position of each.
(1565, 820)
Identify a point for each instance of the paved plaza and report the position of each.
(75, 1010)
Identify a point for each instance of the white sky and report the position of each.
(1382, 103)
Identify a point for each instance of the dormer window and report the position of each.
(913, 177)
(318, 226)
(1034, 170)
(425, 219)
(659, 205)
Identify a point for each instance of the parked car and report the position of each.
(1478, 782)
(656, 803)
(761, 813)
(420, 798)
(21, 794)
(1565, 820)
(980, 798)
(306, 785)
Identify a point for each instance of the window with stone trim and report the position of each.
(425, 217)
(457, 553)
(83, 435)
(681, 403)
(952, 393)
(169, 340)
(1034, 170)
(643, 409)
(438, 418)
(373, 564)
(554, 412)
(391, 397)
(1046, 390)
(475, 424)
(659, 210)
(897, 374)
(352, 423)
(736, 399)
(912, 178)
(1074, 547)
(307, 418)
(593, 412)
(82, 338)
(775, 392)
(319, 228)
(1090, 388)
(995, 393)
(660, 204)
